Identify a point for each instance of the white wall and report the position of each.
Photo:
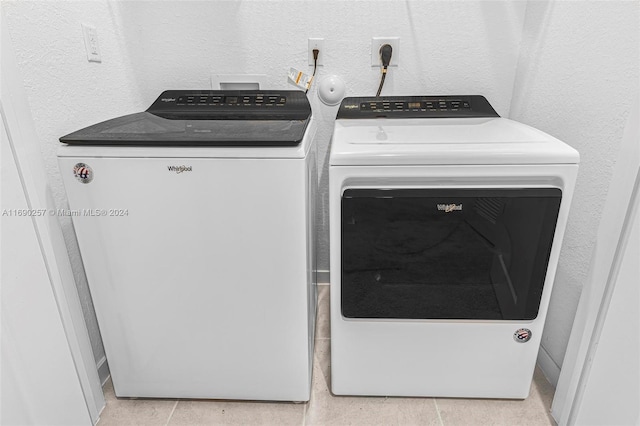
(31, 391)
(21, 134)
(608, 278)
(616, 364)
(577, 73)
(576, 58)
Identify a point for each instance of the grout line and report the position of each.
(172, 411)
(304, 412)
(438, 411)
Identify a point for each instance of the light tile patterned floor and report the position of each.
(326, 409)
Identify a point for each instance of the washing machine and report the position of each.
(446, 225)
(195, 222)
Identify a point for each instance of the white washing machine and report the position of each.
(446, 226)
(195, 221)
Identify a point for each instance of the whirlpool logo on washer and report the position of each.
(180, 169)
(448, 208)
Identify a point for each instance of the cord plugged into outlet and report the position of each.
(386, 51)
(316, 53)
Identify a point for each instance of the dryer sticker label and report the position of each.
(83, 173)
(180, 169)
(522, 335)
(448, 208)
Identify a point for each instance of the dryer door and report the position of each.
(478, 254)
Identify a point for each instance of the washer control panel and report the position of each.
(232, 105)
(251, 100)
(416, 107)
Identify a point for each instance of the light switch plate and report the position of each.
(90, 35)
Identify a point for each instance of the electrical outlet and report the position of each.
(376, 44)
(316, 43)
(90, 35)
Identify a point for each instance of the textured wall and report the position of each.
(577, 72)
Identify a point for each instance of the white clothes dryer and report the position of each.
(196, 223)
(446, 227)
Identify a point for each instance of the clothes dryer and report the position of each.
(446, 227)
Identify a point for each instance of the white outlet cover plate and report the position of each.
(316, 43)
(377, 42)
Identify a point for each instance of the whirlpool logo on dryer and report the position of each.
(180, 169)
(448, 208)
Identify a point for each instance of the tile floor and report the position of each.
(326, 409)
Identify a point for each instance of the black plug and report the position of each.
(316, 52)
(385, 57)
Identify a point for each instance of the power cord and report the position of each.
(316, 52)
(385, 57)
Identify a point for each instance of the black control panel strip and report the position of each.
(415, 107)
(232, 105)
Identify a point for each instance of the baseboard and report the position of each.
(549, 368)
(323, 276)
(103, 370)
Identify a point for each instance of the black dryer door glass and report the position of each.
(477, 254)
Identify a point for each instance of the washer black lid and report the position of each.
(207, 118)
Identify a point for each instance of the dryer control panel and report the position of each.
(416, 107)
(232, 105)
